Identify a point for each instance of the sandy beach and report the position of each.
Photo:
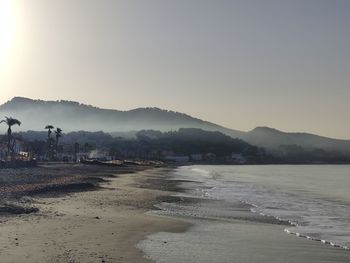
(112, 223)
(95, 226)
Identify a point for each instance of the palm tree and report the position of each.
(49, 128)
(58, 133)
(10, 122)
(49, 141)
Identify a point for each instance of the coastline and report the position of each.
(221, 232)
(132, 215)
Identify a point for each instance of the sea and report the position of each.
(310, 201)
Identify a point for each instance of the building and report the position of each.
(196, 157)
(177, 159)
(238, 158)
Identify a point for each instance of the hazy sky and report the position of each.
(278, 63)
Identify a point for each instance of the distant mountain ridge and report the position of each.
(74, 116)
(272, 139)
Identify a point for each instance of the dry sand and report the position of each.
(95, 226)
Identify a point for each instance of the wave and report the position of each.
(314, 218)
(326, 242)
(206, 173)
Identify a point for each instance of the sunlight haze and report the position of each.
(241, 64)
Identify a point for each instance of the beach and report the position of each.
(115, 220)
(102, 225)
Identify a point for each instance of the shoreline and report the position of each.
(122, 216)
(279, 221)
(231, 230)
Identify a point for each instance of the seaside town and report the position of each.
(52, 145)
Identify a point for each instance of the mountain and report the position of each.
(273, 139)
(73, 116)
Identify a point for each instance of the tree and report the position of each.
(49, 131)
(50, 141)
(76, 151)
(58, 133)
(10, 122)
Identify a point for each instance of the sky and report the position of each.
(239, 63)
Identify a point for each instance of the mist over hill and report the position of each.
(276, 140)
(73, 116)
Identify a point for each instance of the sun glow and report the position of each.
(7, 28)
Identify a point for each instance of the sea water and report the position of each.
(314, 199)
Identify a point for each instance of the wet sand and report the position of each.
(237, 235)
(227, 231)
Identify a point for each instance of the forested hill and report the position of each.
(73, 116)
